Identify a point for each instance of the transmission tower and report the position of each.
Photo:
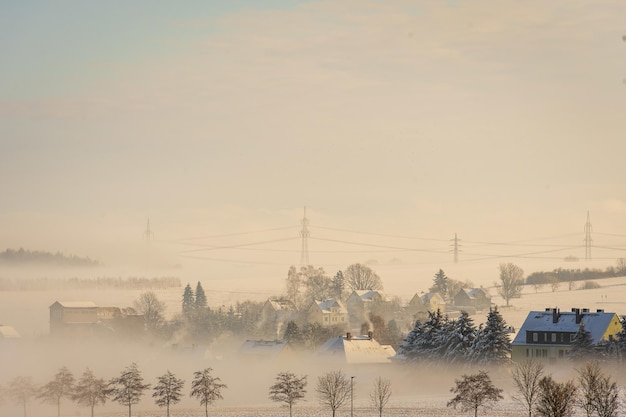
(148, 234)
(588, 239)
(304, 234)
(455, 250)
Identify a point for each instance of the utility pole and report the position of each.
(455, 249)
(304, 234)
(351, 396)
(148, 234)
(588, 239)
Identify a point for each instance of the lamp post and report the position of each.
(351, 396)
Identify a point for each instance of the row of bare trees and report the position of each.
(596, 393)
(333, 389)
(126, 389)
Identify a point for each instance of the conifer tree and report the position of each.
(492, 343)
(461, 337)
(582, 345)
(441, 284)
(201, 302)
(189, 301)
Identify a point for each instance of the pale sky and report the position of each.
(499, 121)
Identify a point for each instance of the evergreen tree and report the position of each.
(441, 284)
(189, 301)
(423, 342)
(338, 285)
(582, 345)
(293, 334)
(492, 343)
(201, 302)
(461, 337)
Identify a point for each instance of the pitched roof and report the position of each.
(325, 306)
(267, 348)
(595, 323)
(282, 304)
(76, 304)
(367, 295)
(356, 349)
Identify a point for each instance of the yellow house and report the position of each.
(547, 335)
(328, 313)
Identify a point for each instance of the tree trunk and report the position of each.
(475, 411)
(129, 406)
(24, 408)
(92, 411)
(59, 408)
(290, 410)
(206, 410)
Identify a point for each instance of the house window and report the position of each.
(553, 337)
(562, 338)
(571, 337)
(325, 318)
(545, 337)
(535, 337)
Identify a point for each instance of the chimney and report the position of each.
(578, 315)
(349, 336)
(555, 315)
(600, 310)
(585, 310)
(370, 334)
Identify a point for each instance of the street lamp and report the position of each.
(351, 396)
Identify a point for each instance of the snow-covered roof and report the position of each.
(325, 306)
(267, 348)
(8, 332)
(596, 323)
(368, 295)
(355, 349)
(428, 296)
(282, 304)
(76, 304)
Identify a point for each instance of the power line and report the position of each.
(237, 246)
(379, 234)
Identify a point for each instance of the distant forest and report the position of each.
(568, 275)
(42, 284)
(22, 257)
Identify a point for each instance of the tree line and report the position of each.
(578, 274)
(44, 284)
(127, 389)
(23, 256)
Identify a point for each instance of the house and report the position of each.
(266, 350)
(360, 303)
(355, 350)
(434, 301)
(477, 298)
(547, 335)
(328, 313)
(73, 318)
(85, 318)
(278, 310)
(416, 309)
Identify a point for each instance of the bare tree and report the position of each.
(333, 390)
(556, 399)
(62, 386)
(380, 394)
(511, 282)
(152, 309)
(474, 391)
(22, 389)
(599, 393)
(128, 388)
(168, 391)
(526, 376)
(206, 388)
(362, 277)
(91, 391)
(288, 389)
